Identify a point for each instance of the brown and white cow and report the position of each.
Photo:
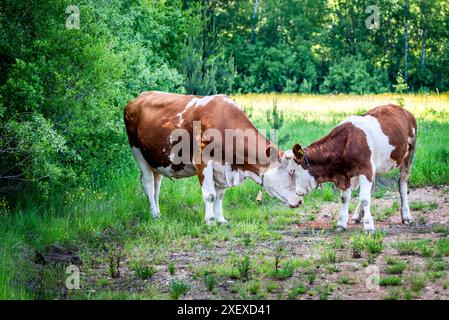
(158, 122)
(353, 153)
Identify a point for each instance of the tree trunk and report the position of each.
(407, 5)
(254, 21)
(423, 48)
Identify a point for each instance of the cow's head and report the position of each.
(279, 181)
(298, 166)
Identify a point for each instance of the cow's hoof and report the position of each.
(408, 221)
(356, 221)
(156, 215)
(369, 231)
(210, 222)
(340, 229)
(222, 221)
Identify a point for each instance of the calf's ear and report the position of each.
(272, 153)
(298, 151)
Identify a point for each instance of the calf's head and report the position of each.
(298, 166)
(279, 181)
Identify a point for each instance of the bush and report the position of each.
(353, 75)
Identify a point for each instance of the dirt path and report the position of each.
(323, 260)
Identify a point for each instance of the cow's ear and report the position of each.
(271, 153)
(298, 151)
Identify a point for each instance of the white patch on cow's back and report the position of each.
(377, 141)
(194, 102)
(230, 101)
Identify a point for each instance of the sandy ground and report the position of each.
(305, 239)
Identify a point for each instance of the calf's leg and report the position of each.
(405, 169)
(147, 180)
(365, 202)
(343, 217)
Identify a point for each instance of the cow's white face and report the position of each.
(305, 182)
(279, 182)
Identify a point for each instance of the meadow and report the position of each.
(266, 251)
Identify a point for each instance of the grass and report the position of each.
(390, 281)
(143, 271)
(177, 288)
(113, 211)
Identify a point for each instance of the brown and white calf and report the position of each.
(158, 122)
(353, 153)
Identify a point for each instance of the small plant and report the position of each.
(285, 271)
(374, 242)
(296, 291)
(247, 239)
(396, 268)
(338, 242)
(143, 271)
(271, 286)
(114, 257)
(254, 287)
(425, 249)
(357, 245)
(279, 254)
(417, 283)
(443, 246)
(406, 247)
(324, 292)
(311, 277)
(171, 268)
(393, 294)
(329, 255)
(345, 279)
(440, 228)
(210, 280)
(275, 117)
(177, 288)
(423, 206)
(244, 268)
(390, 281)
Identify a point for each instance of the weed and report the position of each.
(311, 278)
(143, 271)
(297, 290)
(390, 281)
(210, 280)
(177, 288)
(171, 268)
(396, 268)
(244, 268)
(406, 247)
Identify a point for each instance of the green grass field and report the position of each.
(110, 223)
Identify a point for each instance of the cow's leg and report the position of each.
(157, 188)
(358, 213)
(365, 202)
(343, 217)
(147, 180)
(403, 187)
(218, 205)
(206, 176)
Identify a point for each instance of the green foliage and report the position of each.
(352, 74)
(143, 271)
(177, 288)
